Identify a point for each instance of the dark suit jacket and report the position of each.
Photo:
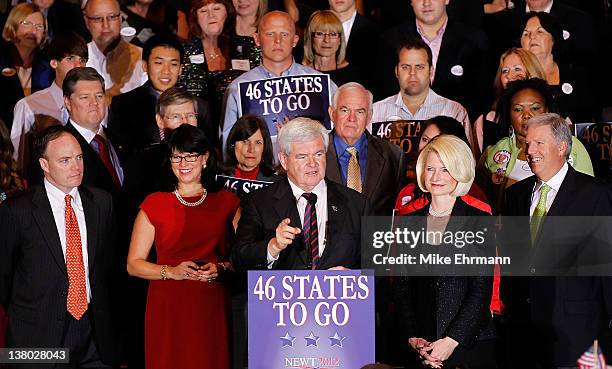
(42, 77)
(362, 42)
(95, 173)
(461, 302)
(462, 45)
(385, 173)
(264, 209)
(132, 119)
(64, 16)
(566, 313)
(33, 277)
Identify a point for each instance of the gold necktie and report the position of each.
(353, 175)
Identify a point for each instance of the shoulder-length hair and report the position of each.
(456, 156)
(190, 139)
(10, 181)
(194, 27)
(552, 25)
(244, 128)
(323, 21)
(17, 15)
(533, 68)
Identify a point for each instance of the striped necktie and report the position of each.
(311, 230)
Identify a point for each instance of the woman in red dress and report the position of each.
(186, 322)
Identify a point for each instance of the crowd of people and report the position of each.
(119, 241)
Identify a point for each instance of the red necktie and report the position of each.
(106, 160)
(311, 230)
(76, 303)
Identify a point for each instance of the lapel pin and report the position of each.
(334, 208)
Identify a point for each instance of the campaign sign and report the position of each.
(303, 319)
(403, 133)
(240, 186)
(278, 100)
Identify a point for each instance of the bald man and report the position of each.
(119, 62)
(276, 36)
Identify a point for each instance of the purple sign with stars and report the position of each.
(318, 319)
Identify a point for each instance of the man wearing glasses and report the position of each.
(118, 61)
(46, 107)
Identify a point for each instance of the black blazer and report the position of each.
(462, 45)
(566, 313)
(385, 173)
(33, 277)
(132, 119)
(362, 42)
(264, 209)
(95, 173)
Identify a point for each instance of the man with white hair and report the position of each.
(304, 221)
(359, 160)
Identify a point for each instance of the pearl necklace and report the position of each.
(439, 214)
(191, 204)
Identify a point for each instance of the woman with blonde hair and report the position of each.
(24, 69)
(514, 64)
(446, 319)
(325, 48)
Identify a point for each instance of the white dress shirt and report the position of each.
(393, 108)
(321, 206)
(48, 102)
(97, 60)
(58, 208)
(347, 26)
(89, 135)
(554, 183)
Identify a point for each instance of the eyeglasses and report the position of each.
(38, 26)
(109, 18)
(332, 35)
(179, 117)
(190, 158)
(75, 58)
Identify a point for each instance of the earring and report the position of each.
(203, 166)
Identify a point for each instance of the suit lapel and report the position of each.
(335, 218)
(333, 168)
(43, 216)
(92, 219)
(375, 164)
(564, 196)
(286, 207)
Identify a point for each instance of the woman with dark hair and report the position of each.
(249, 152)
(571, 84)
(411, 198)
(10, 180)
(207, 55)
(186, 321)
(505, 163)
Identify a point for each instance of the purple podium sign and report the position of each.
(301, 319)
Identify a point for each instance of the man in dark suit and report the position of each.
(304, 221)
(62, 16)
(553, 318)
(360, 34)
(132, 114)
(459, 55)
(84, 98)
(56, 257)
(359, 160)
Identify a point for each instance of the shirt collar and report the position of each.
(546, 10)
(86, 133)
(556, 180)
(341, 145)
(429, 100)
(97, 53)
(57, 94)
(290, 71)
(440, 32)
(57, 196)
(318, 190)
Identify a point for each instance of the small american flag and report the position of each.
(592, 359)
